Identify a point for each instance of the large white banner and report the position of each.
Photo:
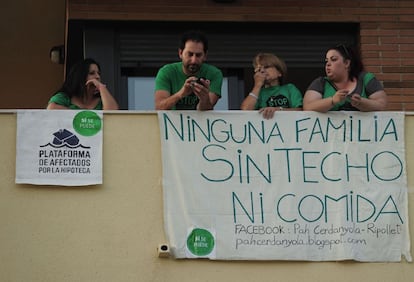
(301, 186)
(59, 147)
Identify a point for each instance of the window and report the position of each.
(138, 49)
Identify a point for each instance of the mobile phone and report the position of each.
(199, 80)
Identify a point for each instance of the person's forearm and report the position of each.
(320, 105)
(205, 105)
(368, 105)
(169, 102)
(208, 102)
(108, 101)
(54, 106)
(249, 102)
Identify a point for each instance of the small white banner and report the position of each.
(301, 186)
(59, 147)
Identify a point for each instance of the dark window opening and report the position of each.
(141, 48)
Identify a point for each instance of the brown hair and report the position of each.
(271, 60)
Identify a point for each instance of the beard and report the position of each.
(192, 68)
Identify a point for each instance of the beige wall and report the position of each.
(110, 232)
(28, 29)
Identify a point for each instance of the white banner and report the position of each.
(59, 147)
(301, 186)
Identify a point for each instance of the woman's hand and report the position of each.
(339, 96)
(269, 112)
(95, 85)
(355, 100)
(259, 78)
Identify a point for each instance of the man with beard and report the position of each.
(190, 84)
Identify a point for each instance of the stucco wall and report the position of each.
(110, 232)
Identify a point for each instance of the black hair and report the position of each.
(74, 85)
(194, 35)
(350, 53)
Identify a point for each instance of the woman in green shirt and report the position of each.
(83, 89)
(269, 93)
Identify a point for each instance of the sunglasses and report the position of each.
(345, 49)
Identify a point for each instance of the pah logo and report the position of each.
(65, 154)
(65, 138)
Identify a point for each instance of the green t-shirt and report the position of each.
(171, 78)
(285, 96)
(64, 100)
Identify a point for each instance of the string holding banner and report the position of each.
(302, 186)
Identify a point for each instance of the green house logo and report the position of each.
(87, 123)
(200, 242)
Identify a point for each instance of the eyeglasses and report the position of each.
(258, 68)
(348, 56)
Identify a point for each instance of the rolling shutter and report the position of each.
(234, 44)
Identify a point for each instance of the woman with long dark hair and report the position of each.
(83, 89)
(346, 85)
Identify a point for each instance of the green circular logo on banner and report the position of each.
(200, 242)
(87, 123)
